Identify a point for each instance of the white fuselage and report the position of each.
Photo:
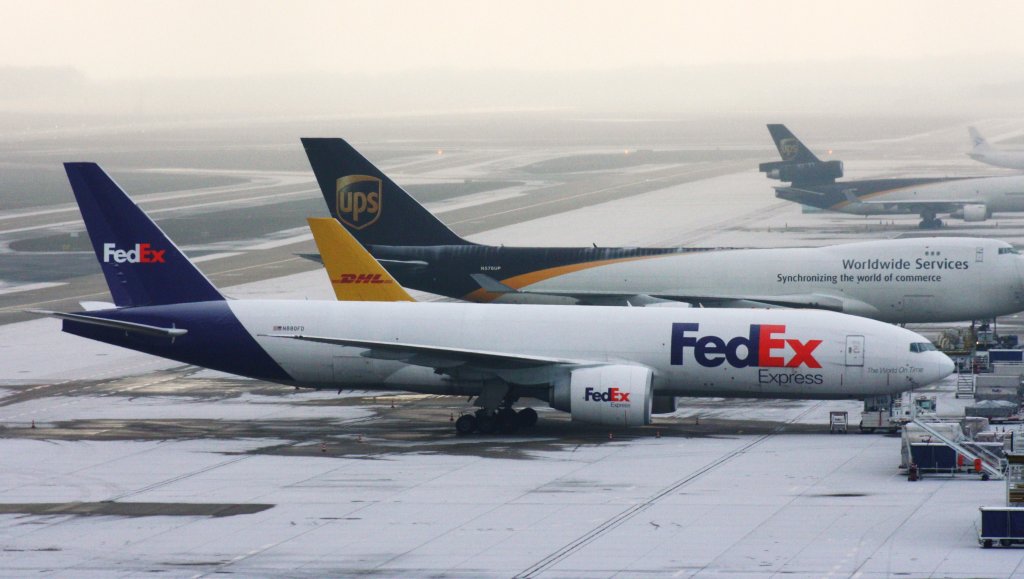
(999, 158)
(997, 194)
(905, 280)
(856, 357)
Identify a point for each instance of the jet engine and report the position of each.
(803, 173)
(611, 395)
(976, 212)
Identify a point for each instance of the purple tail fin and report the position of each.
(142, 265)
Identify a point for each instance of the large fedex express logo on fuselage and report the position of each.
(765, 346)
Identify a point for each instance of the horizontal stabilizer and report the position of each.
(94, 306)
(489, 284)
(133, 327)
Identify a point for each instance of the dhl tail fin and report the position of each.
(355, 275)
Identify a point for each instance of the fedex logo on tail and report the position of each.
(764, 346)
(141, 253)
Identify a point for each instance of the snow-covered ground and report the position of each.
(789, 504)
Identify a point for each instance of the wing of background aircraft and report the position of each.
(916, 205)
(816, 300)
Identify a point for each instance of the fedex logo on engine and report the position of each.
(764, 346)
(141, 253)
(609, 395)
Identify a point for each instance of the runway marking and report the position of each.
(240, 200)
(688, 172)
(21, 307)
(31, 287)
(617, 520)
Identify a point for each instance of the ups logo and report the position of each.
(358, 200)
(788, 148)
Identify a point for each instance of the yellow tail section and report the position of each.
(355, 275)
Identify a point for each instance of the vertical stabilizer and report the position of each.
(142, 265)
(791, 148)
(978, 141)
(355, 275)
(374, 209)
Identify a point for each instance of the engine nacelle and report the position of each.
(612, 395)
(803, 173)
(976, 212)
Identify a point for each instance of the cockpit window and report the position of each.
(922, 347)
(1013, 250)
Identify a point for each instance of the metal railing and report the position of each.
(990, 463)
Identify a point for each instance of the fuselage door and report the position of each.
(854, 350)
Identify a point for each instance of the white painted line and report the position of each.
(31, 286)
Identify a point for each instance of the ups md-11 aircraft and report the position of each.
(813, 182)
(611, 366)
(902, 281)
(986, 153)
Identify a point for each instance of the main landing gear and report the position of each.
(504, 420)
(929, 221)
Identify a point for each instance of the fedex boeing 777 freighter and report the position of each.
(610, 366)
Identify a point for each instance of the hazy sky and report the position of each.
(117, 39)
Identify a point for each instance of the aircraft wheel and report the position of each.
(466, 424)
(508, 422)
(527, 417)
(486, 423)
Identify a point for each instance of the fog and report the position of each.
(130, 62)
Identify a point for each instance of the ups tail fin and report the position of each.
(370, 205)
(791, 148)
(142, 265)
(355, 275)
(977, 140)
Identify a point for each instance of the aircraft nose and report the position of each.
(941, 366)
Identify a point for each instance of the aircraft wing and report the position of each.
(816, 301)
(392, 265)
(524, 369)
(796, 301)
(941, 205)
